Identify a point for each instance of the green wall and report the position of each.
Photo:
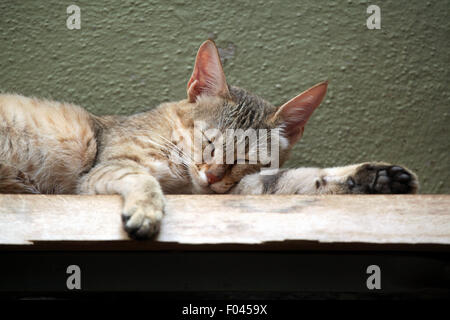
(388, 95)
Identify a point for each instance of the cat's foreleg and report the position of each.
(143, 199)
(364, 178)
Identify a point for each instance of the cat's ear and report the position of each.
(208, 77)
(296, 112)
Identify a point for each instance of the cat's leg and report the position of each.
(364, 178)
(143, 205)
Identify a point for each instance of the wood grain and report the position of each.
(233, 219)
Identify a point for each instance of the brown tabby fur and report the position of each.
(52, 147)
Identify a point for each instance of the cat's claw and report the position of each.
(380, 178)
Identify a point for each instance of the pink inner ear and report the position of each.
(296, 112)
(208, 76)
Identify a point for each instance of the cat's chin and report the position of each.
(210, 189)
(201, 189)
(220, 187)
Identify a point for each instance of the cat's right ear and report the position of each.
(208, 77)
(295, 113)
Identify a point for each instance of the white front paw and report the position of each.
(142, 217)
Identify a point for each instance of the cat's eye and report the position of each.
(209, 143)
(241, 161)
(207, 139)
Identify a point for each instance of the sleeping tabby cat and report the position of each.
(52, 147)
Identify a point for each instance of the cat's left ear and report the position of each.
(208, 77)
(295, 113)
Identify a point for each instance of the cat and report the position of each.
(59, 148)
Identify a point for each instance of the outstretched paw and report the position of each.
(380, 178)
(142, 219)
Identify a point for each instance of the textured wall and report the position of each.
(388, 96)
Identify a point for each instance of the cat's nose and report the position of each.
(212, 178)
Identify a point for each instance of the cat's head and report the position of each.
(220, 110)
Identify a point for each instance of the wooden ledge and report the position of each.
(231, 222)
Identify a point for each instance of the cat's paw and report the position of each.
(381, 178)
(142, 217)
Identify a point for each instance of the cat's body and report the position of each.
(49, 147)
(44, 146)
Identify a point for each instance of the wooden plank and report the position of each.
(233, 219)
